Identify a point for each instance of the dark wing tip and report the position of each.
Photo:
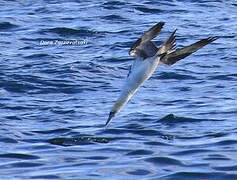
(157, 27)
(211, 39)
(208, 40)
(153, 31)
(175, 31)
(161, 24)
(172, 38)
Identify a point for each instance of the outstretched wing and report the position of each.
(143, 47)
(174, 56)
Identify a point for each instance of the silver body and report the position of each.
(140, 71)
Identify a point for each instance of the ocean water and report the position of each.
(55, 97)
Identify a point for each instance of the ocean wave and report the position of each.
(65, 31)
(18, 156)
(54, 100)
(6, 26)
(199, 175)
(173, 75)
(171, 118)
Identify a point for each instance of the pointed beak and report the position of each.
(111, 115)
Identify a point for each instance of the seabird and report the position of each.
(147, 58)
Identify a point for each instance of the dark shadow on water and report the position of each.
(171, 118)
(199, 175)
(98, 133)
(82, 140)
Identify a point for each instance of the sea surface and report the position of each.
(62, 66)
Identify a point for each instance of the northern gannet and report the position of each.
(147, 58)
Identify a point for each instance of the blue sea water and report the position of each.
(55, 98)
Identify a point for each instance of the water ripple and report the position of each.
(64, 31)
(18, 156)
(54, 100)
(4, 26)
